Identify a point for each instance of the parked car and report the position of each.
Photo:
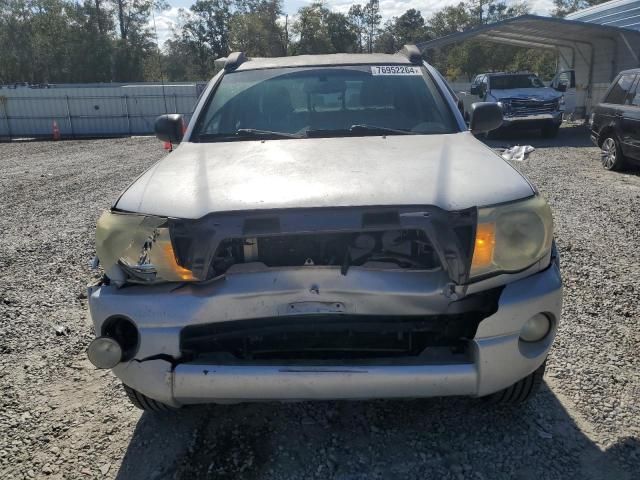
(327, 228)
(526, 102)
(615, 123)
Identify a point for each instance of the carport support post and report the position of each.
(564, 59)
(590, 90)
(66, 98)
(126, 112)
(5, 103)
(630, 48)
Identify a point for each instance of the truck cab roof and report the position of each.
(323, 60)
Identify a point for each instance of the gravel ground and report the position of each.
(60, 418)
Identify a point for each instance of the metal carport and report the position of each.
(596, 52)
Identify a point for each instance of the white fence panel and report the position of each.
(92, 110)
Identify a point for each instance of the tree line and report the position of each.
(70, 41)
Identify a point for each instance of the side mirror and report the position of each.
(474, 90)
(484, 117)
(169, 127)
(562, 87)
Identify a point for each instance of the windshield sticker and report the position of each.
(395, 70)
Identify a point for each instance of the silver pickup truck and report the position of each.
(327, 228)
(526, 102)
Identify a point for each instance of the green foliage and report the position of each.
(201, 37)
(342, 35)
(312, 30)
(319, 30)
(372, 19)
(565, 7)
(451, 19)
(47, 41)
(111, 40)
(256, 31)
(408, 28)
(135, 42)
(211, 29)
(357, 19)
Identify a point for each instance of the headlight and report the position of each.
(512, 237)
(139, 245)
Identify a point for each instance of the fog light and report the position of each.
(104, 352)
(536, 328)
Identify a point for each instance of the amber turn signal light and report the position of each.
(484, 246)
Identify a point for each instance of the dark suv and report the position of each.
(615, 123)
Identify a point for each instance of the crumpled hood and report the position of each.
(541, 93)
(453, 171)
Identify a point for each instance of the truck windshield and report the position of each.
(505, 82)
(321, 102)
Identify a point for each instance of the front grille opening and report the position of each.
(520, 107)
(409, 249)
(329, 337)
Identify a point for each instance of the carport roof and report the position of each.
(544, 32)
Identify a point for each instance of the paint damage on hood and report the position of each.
(451, 172)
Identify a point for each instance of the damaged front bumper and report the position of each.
(534, 120)
(164, 367)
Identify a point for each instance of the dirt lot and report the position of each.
(60, 418)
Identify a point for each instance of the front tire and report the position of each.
(520, 391)
(612, 158)
(145, 403)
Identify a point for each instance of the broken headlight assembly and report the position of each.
(511, 237)
(138, 249)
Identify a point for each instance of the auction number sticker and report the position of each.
(395, 70)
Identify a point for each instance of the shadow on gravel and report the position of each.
(576, 136)
(632, 170)
(440, 438)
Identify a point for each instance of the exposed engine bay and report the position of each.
(382, 238)
(406, 249)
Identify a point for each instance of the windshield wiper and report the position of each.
(357, 128)
(361, 127)
(253, 132)
(256, 133)
(244, 133)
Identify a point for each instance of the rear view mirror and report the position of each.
(474, 90)
(324, 86)
(168, 128)
(562, 87)
(484, 117)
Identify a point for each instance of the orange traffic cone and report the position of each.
(55, 131)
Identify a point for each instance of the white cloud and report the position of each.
(542, 7)
(165, 21)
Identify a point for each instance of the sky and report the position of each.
(388, 8)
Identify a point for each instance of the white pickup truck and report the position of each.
(526, 102)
